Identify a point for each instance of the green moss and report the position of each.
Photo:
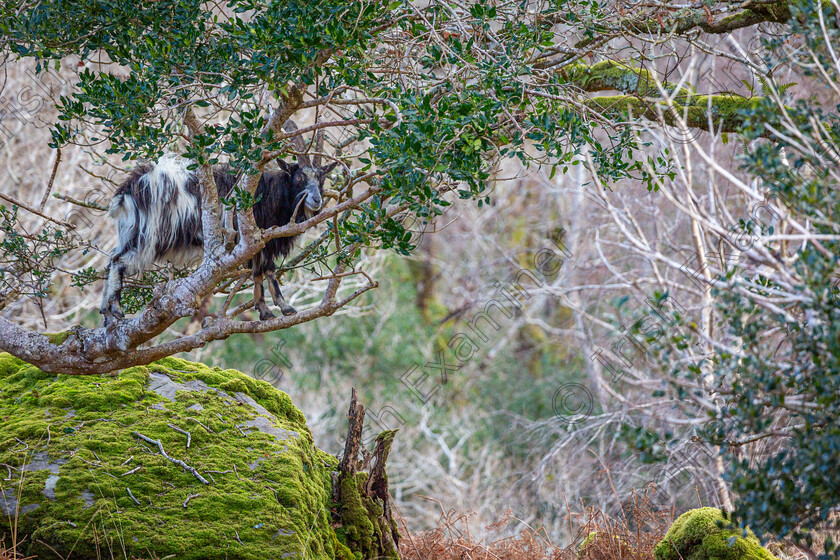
(276, 402)
(234, 386)
(704, 534)
(58, 338)
(9, 364)
(357, 525)
(269, 494)
(589, 538)
(609, 75)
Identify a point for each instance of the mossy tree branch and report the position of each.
(642, 95)
(685, 20)
(712, 113)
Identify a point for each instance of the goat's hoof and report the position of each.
(288, 310)
(111, 318)
(265, 315)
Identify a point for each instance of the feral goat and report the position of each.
(157, 212)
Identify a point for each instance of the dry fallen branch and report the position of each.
(190, 497)
(178, 462)
(180, 431)
(200, 424)
(130, 495)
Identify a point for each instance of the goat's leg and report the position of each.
(259, 299)
(113, 289)
(276, 295)
(105, 292)
(229, 228)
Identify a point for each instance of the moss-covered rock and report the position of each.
(705, 534)
(79, 476)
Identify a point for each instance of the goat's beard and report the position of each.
(310, 213)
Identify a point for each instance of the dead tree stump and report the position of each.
(360, 493)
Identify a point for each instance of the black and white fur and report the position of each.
(157, 212)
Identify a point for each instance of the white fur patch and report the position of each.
(170, 205)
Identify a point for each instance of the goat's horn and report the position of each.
(300, 145)
(319, 148)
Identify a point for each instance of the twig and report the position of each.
(25, 206)
(190, 497)
(241, 432)
(127, 461)
(132, 471)
(237, 538)
(200, 424)
(179, 430)
(9, 468)
(130, 495)
(71, 200)
(178, 462)
(52, 178)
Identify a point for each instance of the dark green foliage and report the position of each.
(182, 54)
(792, 491)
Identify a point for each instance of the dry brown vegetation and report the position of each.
(11, 553)
(631, 535)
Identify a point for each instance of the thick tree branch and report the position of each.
(694, 112)
(642, 93)
(715, 19)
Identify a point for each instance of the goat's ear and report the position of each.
(329, 167)
(284, 166)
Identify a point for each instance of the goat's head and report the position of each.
(308, 175)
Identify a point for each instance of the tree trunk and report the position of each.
(363, 504)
